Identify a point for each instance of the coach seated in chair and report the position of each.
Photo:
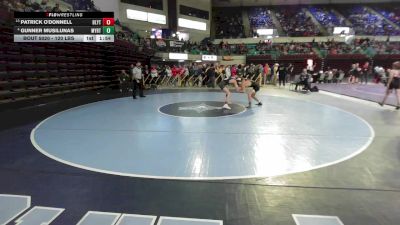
(304, 80)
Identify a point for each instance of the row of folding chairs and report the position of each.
(188, 81)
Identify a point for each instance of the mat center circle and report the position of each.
(201, 109)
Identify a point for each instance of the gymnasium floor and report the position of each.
(175, 154)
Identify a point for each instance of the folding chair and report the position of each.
(294, 82)
(339, 79)
(321, 78)
(330, 77)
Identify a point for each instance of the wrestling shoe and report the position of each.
(248, 107)
(259, 104)
(226, 106)
(397, 107)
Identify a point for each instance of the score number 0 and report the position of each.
(108, 21)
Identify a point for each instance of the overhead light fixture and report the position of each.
(136, 15)
(265, 32)
(192, 24)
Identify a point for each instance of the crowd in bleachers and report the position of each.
(382, 48)
(327, 17)
(260, 17)
(337, 48)
(27, 6)
(367, 23)
(229, 24)
(391, 13)
(204, 47)
(269, 48)
(296, 23)
(357, 46)
(294, 48)
(86, 5)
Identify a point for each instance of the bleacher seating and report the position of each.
(295, 22)
(391, 13)
(365, 22)
(229, 23)
(35, 70)
(86, 5)
(260, 17)
(327, 17)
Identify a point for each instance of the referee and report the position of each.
(137, 80)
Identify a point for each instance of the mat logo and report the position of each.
(12, 206)
(200, 108)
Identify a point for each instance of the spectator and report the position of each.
(282, 72)
(210, 72)
(367, 23)
(295, 22)
(327, 17)
(365, 72)
(267, 73)
(229, 23)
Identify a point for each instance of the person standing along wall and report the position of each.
(282, 70)
(365, 72)
(289, 75)
(267, 74)
(211, 76)
(260, 73)
(275, 73)
(393, 84)
(137, 80)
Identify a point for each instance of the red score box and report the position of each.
(108, 21)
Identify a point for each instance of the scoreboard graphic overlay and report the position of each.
(64, 27)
